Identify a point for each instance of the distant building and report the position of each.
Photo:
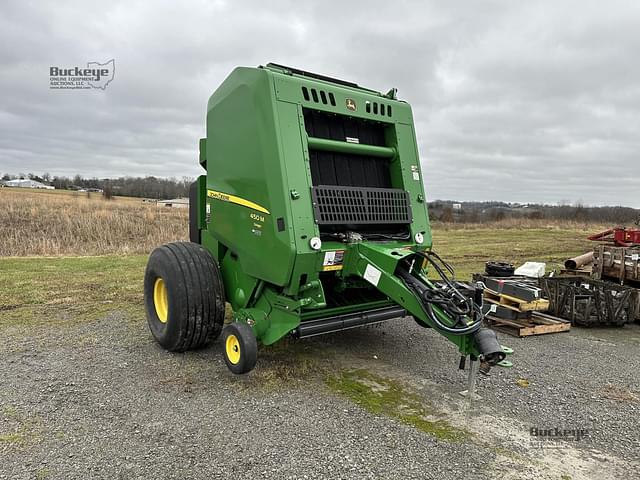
(26, 183)
(457, 206)
(175, 203)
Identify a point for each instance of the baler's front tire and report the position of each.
(240, 347)
(183, 296)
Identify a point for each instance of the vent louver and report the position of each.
(385, 110)
(319, 96)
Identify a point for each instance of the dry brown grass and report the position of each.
(61, 223)
(54, 222)
(524, 224)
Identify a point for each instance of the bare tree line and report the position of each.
(478, 212)
(445, 211)
(145, 187)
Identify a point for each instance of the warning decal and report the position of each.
(333, 260)
(372, 275)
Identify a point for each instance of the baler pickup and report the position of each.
(310, 219)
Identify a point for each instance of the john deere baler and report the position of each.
(311, 218)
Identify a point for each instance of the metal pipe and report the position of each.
(353, 148)
(579, 261)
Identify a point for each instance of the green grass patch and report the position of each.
(19, 429)
(13, 437)
(55, 290)
(383, 396)
(42, 473)
(289, 363)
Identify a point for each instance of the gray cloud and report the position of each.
(516, 102)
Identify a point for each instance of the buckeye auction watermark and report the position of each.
(558, 437)
(94, 75)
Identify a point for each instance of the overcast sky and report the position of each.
(514, 101)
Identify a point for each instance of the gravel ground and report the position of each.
(98, 399)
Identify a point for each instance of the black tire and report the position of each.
(193, 302)
(240, 347)
(499, 269)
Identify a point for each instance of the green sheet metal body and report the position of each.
(255, 211)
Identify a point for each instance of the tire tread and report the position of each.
(198, 290)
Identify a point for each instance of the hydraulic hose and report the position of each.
(451, 303)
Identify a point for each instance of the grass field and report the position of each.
(61, 289)
(53, 222)
(468, 247)
(86, 273)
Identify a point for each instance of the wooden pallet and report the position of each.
(581, 272)
(517, 304)
(538, 324)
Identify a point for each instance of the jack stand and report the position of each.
(470, 392)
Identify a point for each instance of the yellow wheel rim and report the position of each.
(161, 300)
(233, 349)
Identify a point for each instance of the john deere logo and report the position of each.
(351, 104)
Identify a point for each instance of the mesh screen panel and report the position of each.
(333, 205)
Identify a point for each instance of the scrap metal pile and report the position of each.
(607, 291)
(598, 288)
(588, 302)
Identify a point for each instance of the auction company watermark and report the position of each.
(94, 75)
(558, 437)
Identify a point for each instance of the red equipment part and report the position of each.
(620, 236)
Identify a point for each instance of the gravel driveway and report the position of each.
(99, 399)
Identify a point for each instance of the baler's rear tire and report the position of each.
(240, 347)
(183, 296)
